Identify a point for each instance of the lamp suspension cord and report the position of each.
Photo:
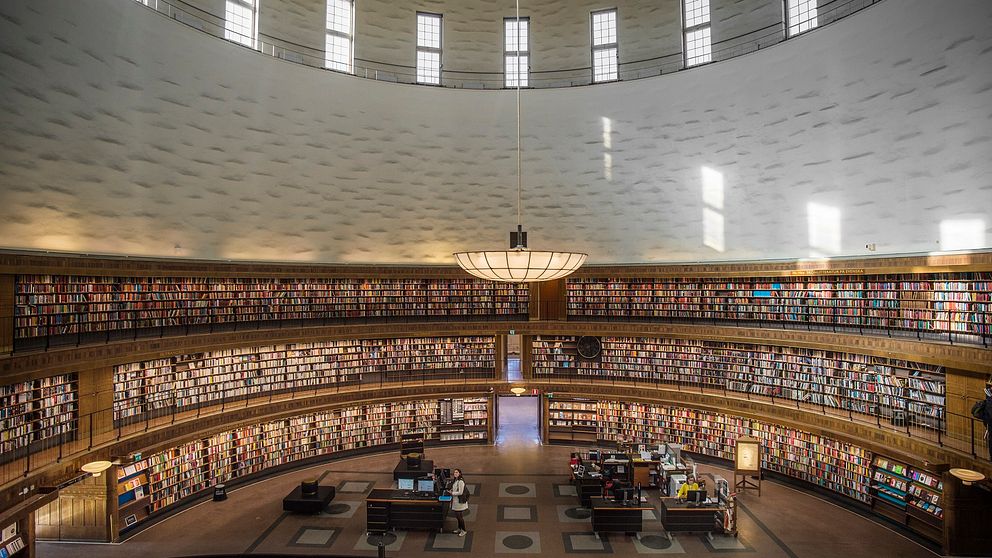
(517, 78)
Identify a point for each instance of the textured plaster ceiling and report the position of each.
(128, 133)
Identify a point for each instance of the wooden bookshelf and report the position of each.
(37, 414)
(161, 386)
(574, 420)
(463, 419)
(910, 496)
(133, 493)
(899, 391)
(73, 305)
(166, 478)
(828, 463)
(945, 303)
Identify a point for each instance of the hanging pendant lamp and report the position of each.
(518, 264)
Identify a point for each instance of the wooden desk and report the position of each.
(401, 471)
(646, 472)
(611, 517)
(678, 517)
(399, 509)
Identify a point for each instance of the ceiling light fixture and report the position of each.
(518, 264)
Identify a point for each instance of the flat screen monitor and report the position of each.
(425, 485)
(405, 484)
(696, 496)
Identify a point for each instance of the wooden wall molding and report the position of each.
(28, 262)
(20, 367)
(976, 261)
(15, 262)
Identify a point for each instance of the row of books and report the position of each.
(60, 304)
(869, 384)
(833, 464)
(902, 487)
(189, 468)
(932, 302)
(183, 381)
(38, 410)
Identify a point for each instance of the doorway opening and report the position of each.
(518, 420)
(513, 373)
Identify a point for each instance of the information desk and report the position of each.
(296, 501)
(612, 517)
(401, 471)
(401, 509)
(587, 486)
(679, 517)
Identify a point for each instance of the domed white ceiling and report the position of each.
(128, 133)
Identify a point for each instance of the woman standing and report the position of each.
(459, 500)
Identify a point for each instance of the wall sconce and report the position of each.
(518, 391)
(96, 467)
(967, 476)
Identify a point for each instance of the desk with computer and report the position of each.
(620, 511)
(415, 504)
(698, 513)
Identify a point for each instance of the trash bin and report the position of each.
(220, 493)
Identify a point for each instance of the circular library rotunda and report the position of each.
(228, 273)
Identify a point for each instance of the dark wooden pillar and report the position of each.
(967, 517)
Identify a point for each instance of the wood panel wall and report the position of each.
(79, 513)
(6, 314)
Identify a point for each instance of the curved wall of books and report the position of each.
(159, 127)
(220, 367)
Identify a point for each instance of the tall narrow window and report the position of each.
(241, 22)
(516, 51)
(339, 35)
(801, 15)
(605, 51)
(428, 48)
(696, 28)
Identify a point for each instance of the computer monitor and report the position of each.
(439, 476)
(623, 492)
(405, 484)
(697, 497)
(425, 485)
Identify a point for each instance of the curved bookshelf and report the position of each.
(837, 466)
(182, 382)
(60, 309)
(899, 391)
(946, 304)
(160, 482)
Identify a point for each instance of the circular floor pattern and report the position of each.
(387, 539)
(518, 542)
(334, 509)
(517, 489)
(578, 513)
(656, 542)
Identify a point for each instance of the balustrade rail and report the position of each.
(282, 48)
